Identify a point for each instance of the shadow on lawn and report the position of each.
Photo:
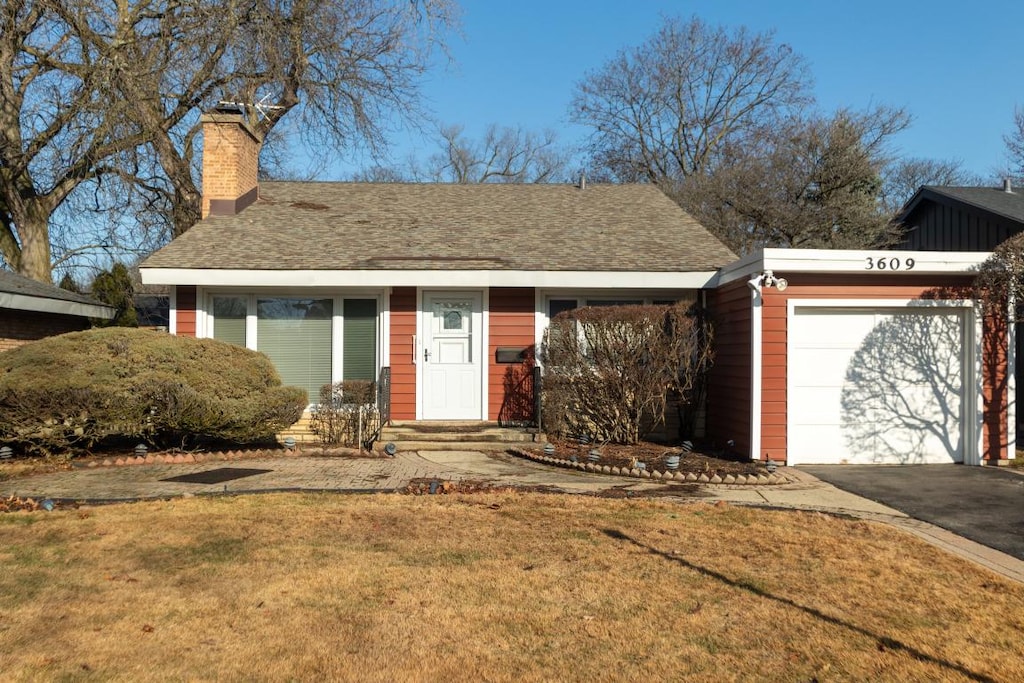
(883, 641)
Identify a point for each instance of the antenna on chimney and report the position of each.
(261, 107)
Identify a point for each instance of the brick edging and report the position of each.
(655, 475)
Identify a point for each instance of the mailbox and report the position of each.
(510, 354)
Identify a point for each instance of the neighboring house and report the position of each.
(969, 219)
(447, 287)
(443, 292)
(961, 218)
(31, 310)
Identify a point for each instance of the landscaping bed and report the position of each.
(647, 459)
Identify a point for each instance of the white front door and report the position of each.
(452, 356)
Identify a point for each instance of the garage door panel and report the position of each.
(845, 331)
(821, 405)
(818, 443)
(895, 395)
(819, 367)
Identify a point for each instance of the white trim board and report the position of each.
(851, 261)
(428, 279)
(22, 302)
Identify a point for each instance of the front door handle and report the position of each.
(426, 355)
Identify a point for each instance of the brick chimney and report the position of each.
(231, 152)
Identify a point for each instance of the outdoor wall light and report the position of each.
(766, 279)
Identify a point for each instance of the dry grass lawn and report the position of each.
(495, 587)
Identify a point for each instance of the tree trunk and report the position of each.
(25, 240)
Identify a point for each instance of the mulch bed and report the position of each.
(700, 460)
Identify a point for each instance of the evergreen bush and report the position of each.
(71, 392)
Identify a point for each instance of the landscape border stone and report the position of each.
(774, 478)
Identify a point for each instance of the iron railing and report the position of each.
(384, 396)
(537, 380)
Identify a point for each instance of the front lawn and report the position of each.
(507, 586)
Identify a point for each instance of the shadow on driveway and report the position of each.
(984, 504)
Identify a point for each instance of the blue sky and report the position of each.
(954, 66)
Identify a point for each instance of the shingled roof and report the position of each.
(393, 226)
(995, 200)
(22, 293)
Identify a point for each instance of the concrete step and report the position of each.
(407, 446)
(448, 435)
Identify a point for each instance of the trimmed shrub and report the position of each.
(608, 371)
(74, 391)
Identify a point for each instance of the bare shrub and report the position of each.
(347, 414)
(608, 371)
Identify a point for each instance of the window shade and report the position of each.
(360, 339)
(295, 333)
(229, 319)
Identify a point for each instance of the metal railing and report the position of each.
(384, 396)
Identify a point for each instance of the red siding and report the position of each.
(995, 389)
(186, 311)
(509, 389)
(812, 286)
(729, 383)
(403, 371)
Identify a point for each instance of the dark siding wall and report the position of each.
(939, 227)
(729, 385)
(20, 327)
(186, 311)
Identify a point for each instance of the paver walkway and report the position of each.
(349, 474)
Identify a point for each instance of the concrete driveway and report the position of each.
(984, 504)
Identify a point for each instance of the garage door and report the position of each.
(876, 385)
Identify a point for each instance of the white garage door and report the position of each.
(876, 385)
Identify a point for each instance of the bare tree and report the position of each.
(503, 155)
(1015, 145)
(666, 110)
(96, 90)
(902, 178)
(810, 182)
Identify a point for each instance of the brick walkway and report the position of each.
(297, 473)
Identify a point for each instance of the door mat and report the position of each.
(217, 476)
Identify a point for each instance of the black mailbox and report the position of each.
(510, 354)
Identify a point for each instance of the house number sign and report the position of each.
(891, 263)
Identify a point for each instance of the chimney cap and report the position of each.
(224, 107)
(1007, 185)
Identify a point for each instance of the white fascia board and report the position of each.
(426, 278)
(849, 261)
(22, 302)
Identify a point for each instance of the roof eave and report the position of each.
(24, 302)
(428, 278)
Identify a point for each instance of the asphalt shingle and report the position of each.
(12, 283)
(360, 226)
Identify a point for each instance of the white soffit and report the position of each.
(22, 302)
(426, 278)
(853, 261)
